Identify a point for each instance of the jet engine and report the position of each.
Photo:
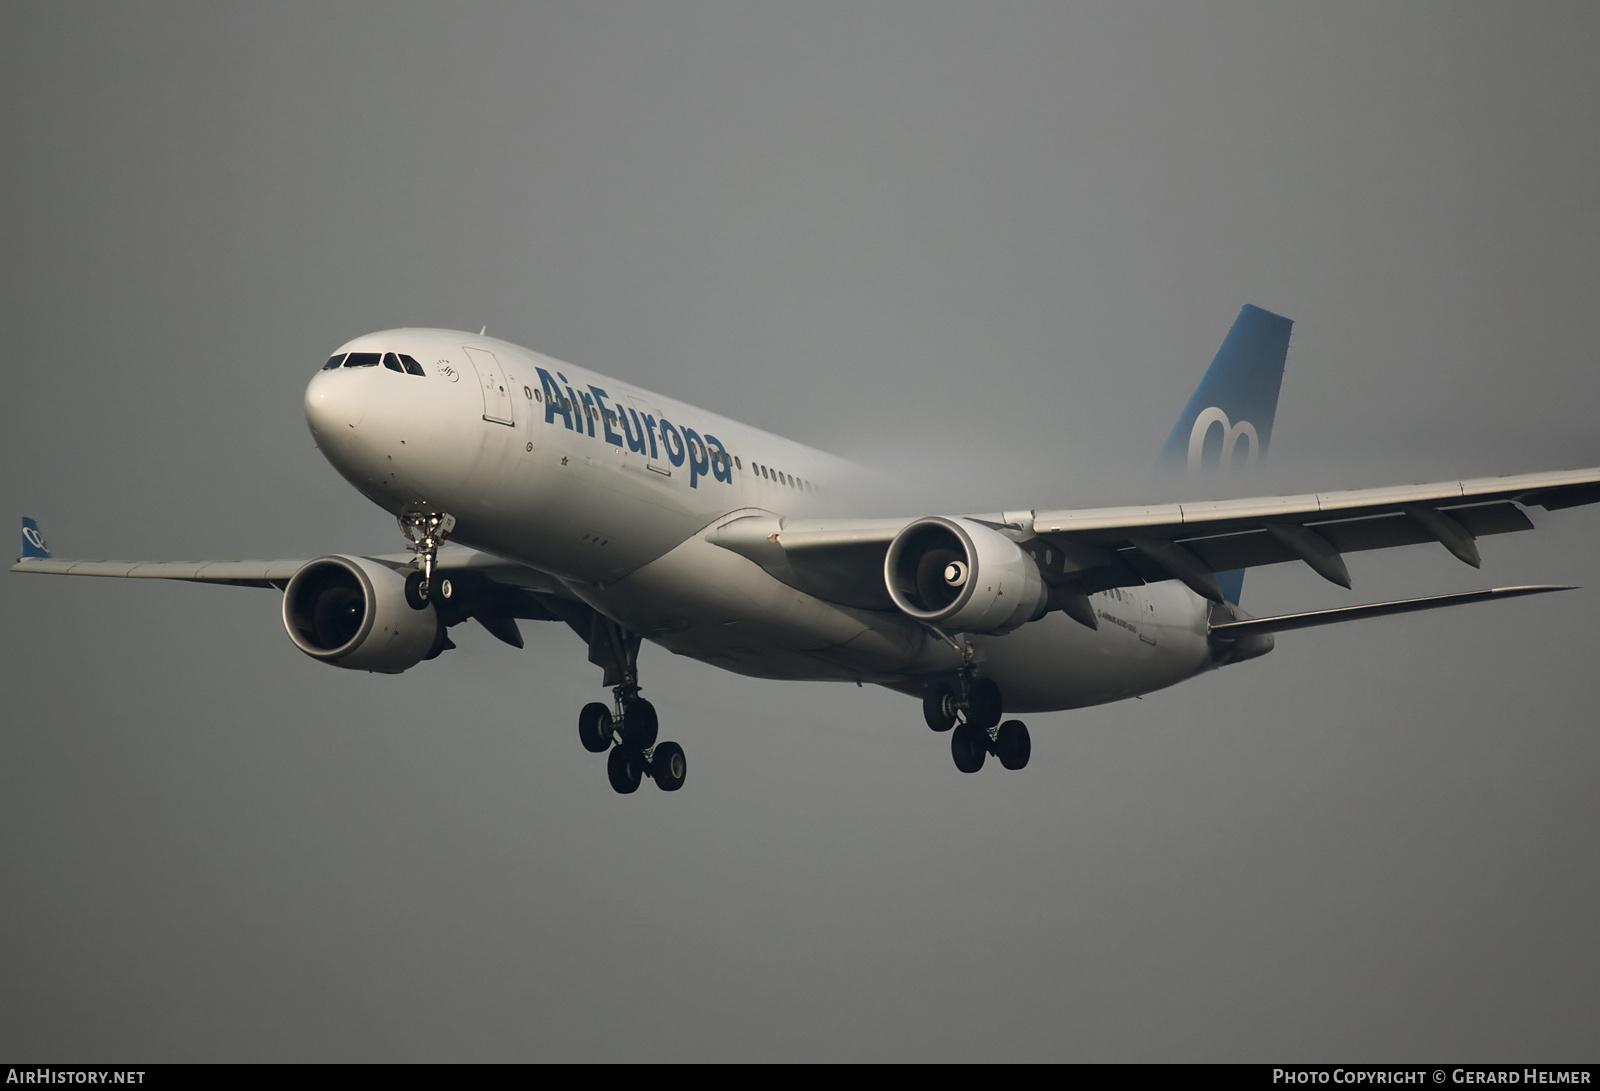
(962, 575)
(351, 612)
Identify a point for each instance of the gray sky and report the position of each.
(990, 246)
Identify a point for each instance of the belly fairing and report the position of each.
(1150, 638)
(711, 604)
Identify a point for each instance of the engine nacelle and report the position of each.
(351, 612)
(963, 576)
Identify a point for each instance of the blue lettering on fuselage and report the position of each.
(699, 461)
(555, 405)
(634, 432)
(721, 464)
(588, 411)
(672, 440)
(605, 416)
(706, 455)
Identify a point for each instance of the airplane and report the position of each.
(531, 489)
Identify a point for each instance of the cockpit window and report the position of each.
(363, 359)
(392, 362)
(333, 363)
(412, 366)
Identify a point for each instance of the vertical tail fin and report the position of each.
(32, 541)
(1227, 424)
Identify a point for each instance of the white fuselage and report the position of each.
(610, 489)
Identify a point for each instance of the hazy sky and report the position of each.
(990, 246)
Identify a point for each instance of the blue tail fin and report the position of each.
(32, 541)
(1227, 424)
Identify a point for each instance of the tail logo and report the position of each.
(1232, 436)
(33, 537)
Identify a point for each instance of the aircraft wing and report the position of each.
(1083, 551)
(494, 590)
(1191, 542)
(240, 573)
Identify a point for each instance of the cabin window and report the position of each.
(527, 392)
(737, 464)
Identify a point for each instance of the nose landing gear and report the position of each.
(426, 531)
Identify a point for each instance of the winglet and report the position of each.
(32, 541)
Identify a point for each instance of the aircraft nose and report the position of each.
(334, 406)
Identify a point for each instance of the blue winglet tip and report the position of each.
(33, 544)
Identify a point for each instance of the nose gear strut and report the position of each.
(425, 532)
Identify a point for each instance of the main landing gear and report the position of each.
(630, 737)
(426, 531)
(973, 707)
(628, 729)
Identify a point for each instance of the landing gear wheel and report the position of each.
(625, 768)
(417, 590)
(668, 766)
(969, 746)
(594, 727)
(938, 706)
(426, 531)
(1013, 746)
(639, 724)
(983, 704)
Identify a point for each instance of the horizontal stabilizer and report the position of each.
(1284, 622)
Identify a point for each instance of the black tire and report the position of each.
(594, 727)
(639, 724)
(668, 766)
(1013, 746)
(936, 706)
(417, 590)
(969, 746)
(983, 704)
(625, 768)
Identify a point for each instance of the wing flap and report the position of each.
(1254, 548)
